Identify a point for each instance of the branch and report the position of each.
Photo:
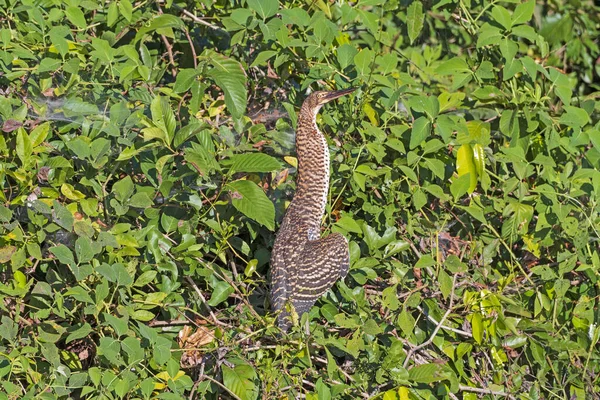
(234, 286)
(482, 391)
(448, 328)
(201, 296)
(200, 20)
(436, 330)
(216, 382)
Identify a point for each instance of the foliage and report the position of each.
(146, 157)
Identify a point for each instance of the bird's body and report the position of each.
(303, 265)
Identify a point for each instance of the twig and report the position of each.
(200, 20)
(187, 35)
(437, 328)
(216, 382)
(482, 391)
(168, 46)
(324, 361)
(168, 323)
(201, 296)
(170, 53)
(308, 383)
(448, 328)
(234, 286)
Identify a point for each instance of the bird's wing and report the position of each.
(321, 264)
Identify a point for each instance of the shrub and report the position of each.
(147, 157)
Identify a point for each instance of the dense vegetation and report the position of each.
(147, 157)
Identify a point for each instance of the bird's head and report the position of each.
(316, 99)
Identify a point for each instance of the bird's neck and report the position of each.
(313, 166)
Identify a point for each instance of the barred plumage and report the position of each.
(303, 265)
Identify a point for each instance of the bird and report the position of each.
(305, 265)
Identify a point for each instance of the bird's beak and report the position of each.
(337, 93)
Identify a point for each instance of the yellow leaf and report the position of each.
(403, 392)
(70, 192)
(163, 376)
(479, 159)
(153, 133)
(449, 101)
(466, 165)
(477, 327)
(371, 114)
(293, 161)
(343, 38)
(533, 247)
(20, 279)
(127, 240)
(128, 251)
(390, 395)
(324, 7)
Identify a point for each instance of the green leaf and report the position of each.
(49, 64)
(80, 147)
(24, 146)
(39, 134)
(241, 381)
(363, 61)
(346, 54)
(460, 186)
(111, 349)
(230, 77)
(79, 294)
(141, 200)
(184, 80)
(160, 23)
(103, 52)
(251, 201)
(502, 16)
(509, 123)
(221, 292)
(116, 273)
(264, 8)
(488, 35)
(509, 49)
(5, 214)
(562, 85)
(574, 117)
(452, 66)
(83, 250)
(420, 131)
(262, 57)
(349, 224)
(427, 373)
(63, 254)
(57, 37)
(519, 215)
(75, 106)
(123, 189)
(525, 31)
(76, 17)
(523, 13)
(62, 216)
(126, 9)
(414, 20)
(163, 117)
(253, 162)
(78, 332)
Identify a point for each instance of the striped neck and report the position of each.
(313, 164)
